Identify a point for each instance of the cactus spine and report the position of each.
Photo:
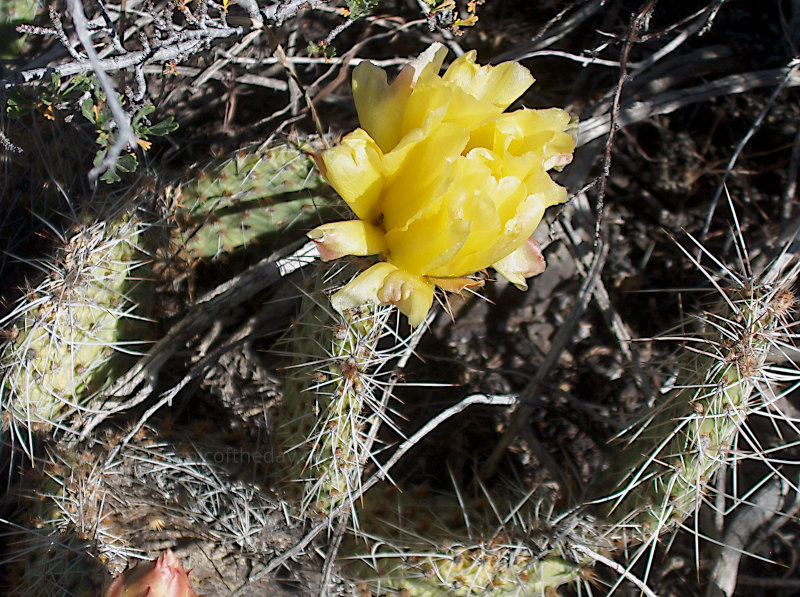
(664, 471)
(421, 544)
(61, 542)
(493, 570)
(330, 425)
(659, 479)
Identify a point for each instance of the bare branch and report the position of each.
(188, 42)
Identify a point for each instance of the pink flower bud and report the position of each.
(163, 577)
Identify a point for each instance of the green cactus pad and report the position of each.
(417, 544)
(663, 473)
(486, 570)
(252, 197)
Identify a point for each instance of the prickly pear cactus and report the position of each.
(663, 473)
(251, 197)
(332, 401)
(67, 330)
(428, 545)
(494, 570)
(331, 408)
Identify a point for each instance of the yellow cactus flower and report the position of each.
(443, 181)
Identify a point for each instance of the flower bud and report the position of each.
(163, 577)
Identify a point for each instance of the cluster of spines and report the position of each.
(80, 515)
(495, 570)
(61, 543)
(331, 405)
(430, 544)
(659, 479)
(69, 327)
(228, 510)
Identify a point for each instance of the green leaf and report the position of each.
(165, 127)
(17, 104)
(110, 176)
(98, 157)
(127, 162)
(76, 88)
(103, 139)
(87, 109)
(142, 113)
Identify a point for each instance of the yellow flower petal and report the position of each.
(510, 195)
(430, 242)
(557, 161)
(431, 239)
(351, 237)
(363, 288)
(422, 176)
(524, 131)
(382, 107)
(525, 262)
(485, 245)
(542, 186)
(468, 111)
(413, 295)
(375, 98)
(443, 238)
(518, 229)
(436, 102)
(429, 63)
(427, 106)
(385, 284)
(443, 182)
(354, 170)
(499, 85)
(393, 161)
